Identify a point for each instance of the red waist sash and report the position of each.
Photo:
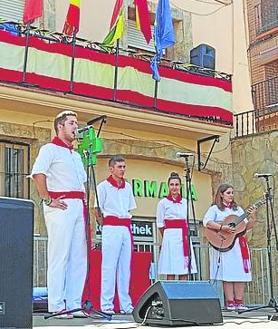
(179, 223)
(67, 195)
(244, 253)
(76, 195)
(116, 221)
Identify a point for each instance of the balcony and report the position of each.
(266, 17)
(97, 74)
(264, 117)
(265, 96)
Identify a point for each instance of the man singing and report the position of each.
(115, 201)
(59, 177)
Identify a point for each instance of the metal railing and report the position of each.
(265, 115)
(257, 292)
(266, 17)
(78, 43)
(245, 124)
(265, 96)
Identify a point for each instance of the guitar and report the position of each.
(224, 241)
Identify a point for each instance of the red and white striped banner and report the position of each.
(179, 92)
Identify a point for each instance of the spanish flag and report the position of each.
(32, 10)
(116, 25)
(143, 21)
(71, 25)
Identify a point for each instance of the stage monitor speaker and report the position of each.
(203, 56)
(179, 303)
(16, 262)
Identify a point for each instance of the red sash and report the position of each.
(179, 223)
(244, 253)
(116, 221)
(76, 195)
(68, 195)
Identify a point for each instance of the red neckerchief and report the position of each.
(177, 200)
(229, 205)
(57, 141)
(114, 183)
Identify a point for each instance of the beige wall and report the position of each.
(158, 171)
(225, 31)
(94, 21)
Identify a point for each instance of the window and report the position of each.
(135, 37)
(11, 9)
(14, 167)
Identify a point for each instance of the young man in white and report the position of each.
(115, 202)
(59, 177)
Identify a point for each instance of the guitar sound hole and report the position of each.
(233, 225)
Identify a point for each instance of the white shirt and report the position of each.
(167, 209)
(217, 215)
(114, 201)
(63, 168)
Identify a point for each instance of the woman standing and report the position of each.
(233, 267)
(173, 225)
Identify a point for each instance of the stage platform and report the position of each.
(232, 320)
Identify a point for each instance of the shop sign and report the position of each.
(153, 189)
(140, 229)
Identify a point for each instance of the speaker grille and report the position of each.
(16, 259)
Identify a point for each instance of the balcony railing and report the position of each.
(265, 96)
(266, 17)
(250, 122)
(51, 61)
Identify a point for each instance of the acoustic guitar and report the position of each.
(224, 241)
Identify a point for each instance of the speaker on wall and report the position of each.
(16, 262)
(203, 56)
(179, 303)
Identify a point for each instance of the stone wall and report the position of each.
(257, 154)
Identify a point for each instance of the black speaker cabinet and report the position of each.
(179, 303)
(16, 262)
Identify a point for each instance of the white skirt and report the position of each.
(172, 260)
(228, 265)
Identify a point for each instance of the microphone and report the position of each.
(102, 117)
(184, 154)
(81, 130)
(262, 175)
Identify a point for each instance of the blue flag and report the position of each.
(164, 35)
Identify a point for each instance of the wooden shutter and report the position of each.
(11, 9)
(136, 38)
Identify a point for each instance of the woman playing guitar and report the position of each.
(231, 266)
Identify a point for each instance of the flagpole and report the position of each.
(26, 53)
(72, 62)
(155, 94)
(116, 70)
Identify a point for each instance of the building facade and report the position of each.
(262, 19)
(191, 111)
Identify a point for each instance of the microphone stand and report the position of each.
(270, 222)
(188, 190)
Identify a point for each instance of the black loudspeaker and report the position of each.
(179, 303)
(203, 56)
(16, 262)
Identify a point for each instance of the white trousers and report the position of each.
(116, 256)
(67, 255)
